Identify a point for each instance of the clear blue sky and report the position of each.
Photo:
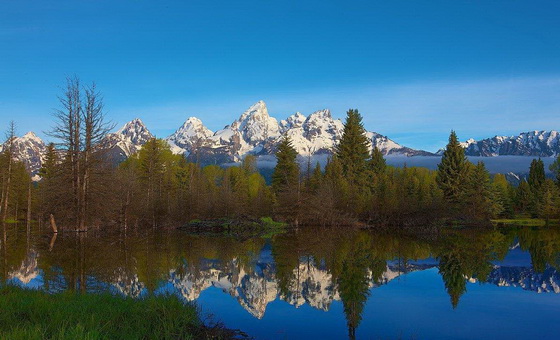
(415, 69)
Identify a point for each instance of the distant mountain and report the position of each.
(256, 132)
(30, 150)
(127, 140)
(533, 143)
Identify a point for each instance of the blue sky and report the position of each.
(415, 69)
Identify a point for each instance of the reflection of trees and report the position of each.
(467, 254)
(310, 266)
(353, 284)
(453, 272)
(543, 245)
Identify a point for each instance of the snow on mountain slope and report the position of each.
(256, 132)
(191, 134)
(30, 150)
(127, 140)
(532, 143)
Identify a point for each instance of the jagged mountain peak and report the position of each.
(30, 150)
(191, 132)
(321, 114)
(135, 131)
(294, 121)
(127, 140)
(532, 143)
(32, 136)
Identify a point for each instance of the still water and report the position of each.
(316, 283)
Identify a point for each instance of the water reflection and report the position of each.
(309, 267)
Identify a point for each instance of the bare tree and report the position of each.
(80, 129)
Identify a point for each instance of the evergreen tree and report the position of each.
(286, 171)
(502, 192)
(555, 168)
(478, 194)
(316, 178)
(549, 204)
(48, 168)
(536, 175)
(377, 163)
(353, 150)
(453, 170)
(523, 197)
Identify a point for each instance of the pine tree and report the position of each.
(548, 207)
(316, 178)
(502, 191)
(478, 194)
(353, 150)
(523, 197)
(536, 175)
(555, 168)
(286, 171)
(452, 170)
(377, 163)
(48, 168)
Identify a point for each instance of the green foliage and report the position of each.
(536, 175)
(555, 168)
(377, 163)
(286, 171)
(353, 149)
(479, 200)
(503, 196)
(26, 314)
(453, 170)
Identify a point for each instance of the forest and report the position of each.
(80, 187)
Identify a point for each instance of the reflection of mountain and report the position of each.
(28, 269)
(127, 283)
(526, 278)
(310, 284)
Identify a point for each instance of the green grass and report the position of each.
(30, 314)
(526, 221)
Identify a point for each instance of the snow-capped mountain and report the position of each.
(30, 150)
(256, 132)
(533, 143)
(189, 136)
(127, 140)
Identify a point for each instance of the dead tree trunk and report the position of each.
(53, 224)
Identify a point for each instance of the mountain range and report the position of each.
(256, 132)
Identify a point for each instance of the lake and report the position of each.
(316, 283)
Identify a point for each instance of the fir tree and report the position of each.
(452, 170)
(523, 197)
(316, 178)
(502, 192)
(48, 167)
(353, 149)
(548, 205)
(286, 171)
(478, 194)
(536, 175)
(377, 163)
(555, 168)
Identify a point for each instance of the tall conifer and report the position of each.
(353, 149)
(286, 172)
(452, 170)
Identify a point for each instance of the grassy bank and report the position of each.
(29, 314)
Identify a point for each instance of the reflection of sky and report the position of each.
(515, 258)
(406, 308)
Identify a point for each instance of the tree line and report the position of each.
(80, 186)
